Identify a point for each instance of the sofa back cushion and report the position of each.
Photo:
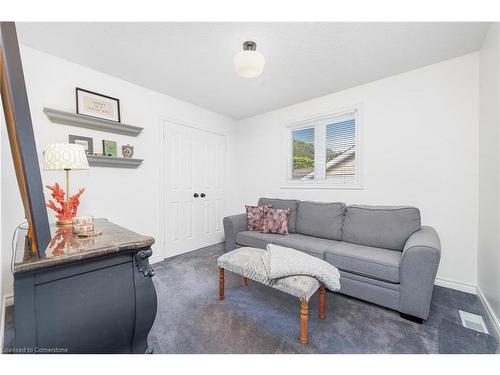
(320, 219)
(387, 227)
(283, 204)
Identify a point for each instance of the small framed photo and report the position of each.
(86, 142)
(97, 105)
(109, 148)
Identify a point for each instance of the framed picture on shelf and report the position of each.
(86, 142)
(97, 105)
(109, 148)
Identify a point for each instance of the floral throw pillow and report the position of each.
(255, 215)
(276, 221)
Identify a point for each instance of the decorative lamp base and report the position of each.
(64, 223)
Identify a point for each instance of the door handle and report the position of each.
(195, 195)
(203, 195)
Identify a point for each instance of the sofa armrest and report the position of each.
(418, 268)
(232, 226)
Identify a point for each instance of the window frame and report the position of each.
(316, 121)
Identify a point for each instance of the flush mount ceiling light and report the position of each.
(249, 63)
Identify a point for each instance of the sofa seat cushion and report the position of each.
(386, 227)
(320, 219)
(311, 245)
(255, 239)
(367, 261)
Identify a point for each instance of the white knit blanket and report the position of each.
(282, 261)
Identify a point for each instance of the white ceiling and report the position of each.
(194, 61)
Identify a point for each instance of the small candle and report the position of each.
(83, 224)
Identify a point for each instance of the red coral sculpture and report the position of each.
(68, 210)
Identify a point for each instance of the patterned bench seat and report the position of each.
(247, 262)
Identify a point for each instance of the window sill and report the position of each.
(320, 185)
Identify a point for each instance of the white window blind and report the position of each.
(324, 151)
(340, 152)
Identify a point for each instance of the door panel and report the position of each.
(214, 150)
(180, 217)
(195, 163)
(218, 215)
(189, 220)
(174, 219)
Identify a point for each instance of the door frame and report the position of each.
(164, 120)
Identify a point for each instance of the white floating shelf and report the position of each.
(89, 122)
(110, 161)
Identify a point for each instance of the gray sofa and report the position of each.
(383, 253)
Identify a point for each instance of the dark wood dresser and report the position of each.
(85, 295)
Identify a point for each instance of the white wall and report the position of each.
(129, 197)
(489, 171)
(420, 148)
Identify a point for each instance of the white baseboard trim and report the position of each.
(457, 285)
(491, 314)
(154, 260)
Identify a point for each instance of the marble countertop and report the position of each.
(66, 247)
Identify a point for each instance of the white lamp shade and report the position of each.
(59, 156)
(249, 64)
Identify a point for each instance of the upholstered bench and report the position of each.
(247, 262)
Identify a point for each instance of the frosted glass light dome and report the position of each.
(249, 63)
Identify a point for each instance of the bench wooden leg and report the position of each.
(322, 302)
(244, 281)
(221, 283)
(303, 321)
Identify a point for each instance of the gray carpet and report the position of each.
(258, 319)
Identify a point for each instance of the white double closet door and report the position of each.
(194, 180)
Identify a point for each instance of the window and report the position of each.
(303, 154)
(324, 151)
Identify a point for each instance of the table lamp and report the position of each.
(64, 156)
